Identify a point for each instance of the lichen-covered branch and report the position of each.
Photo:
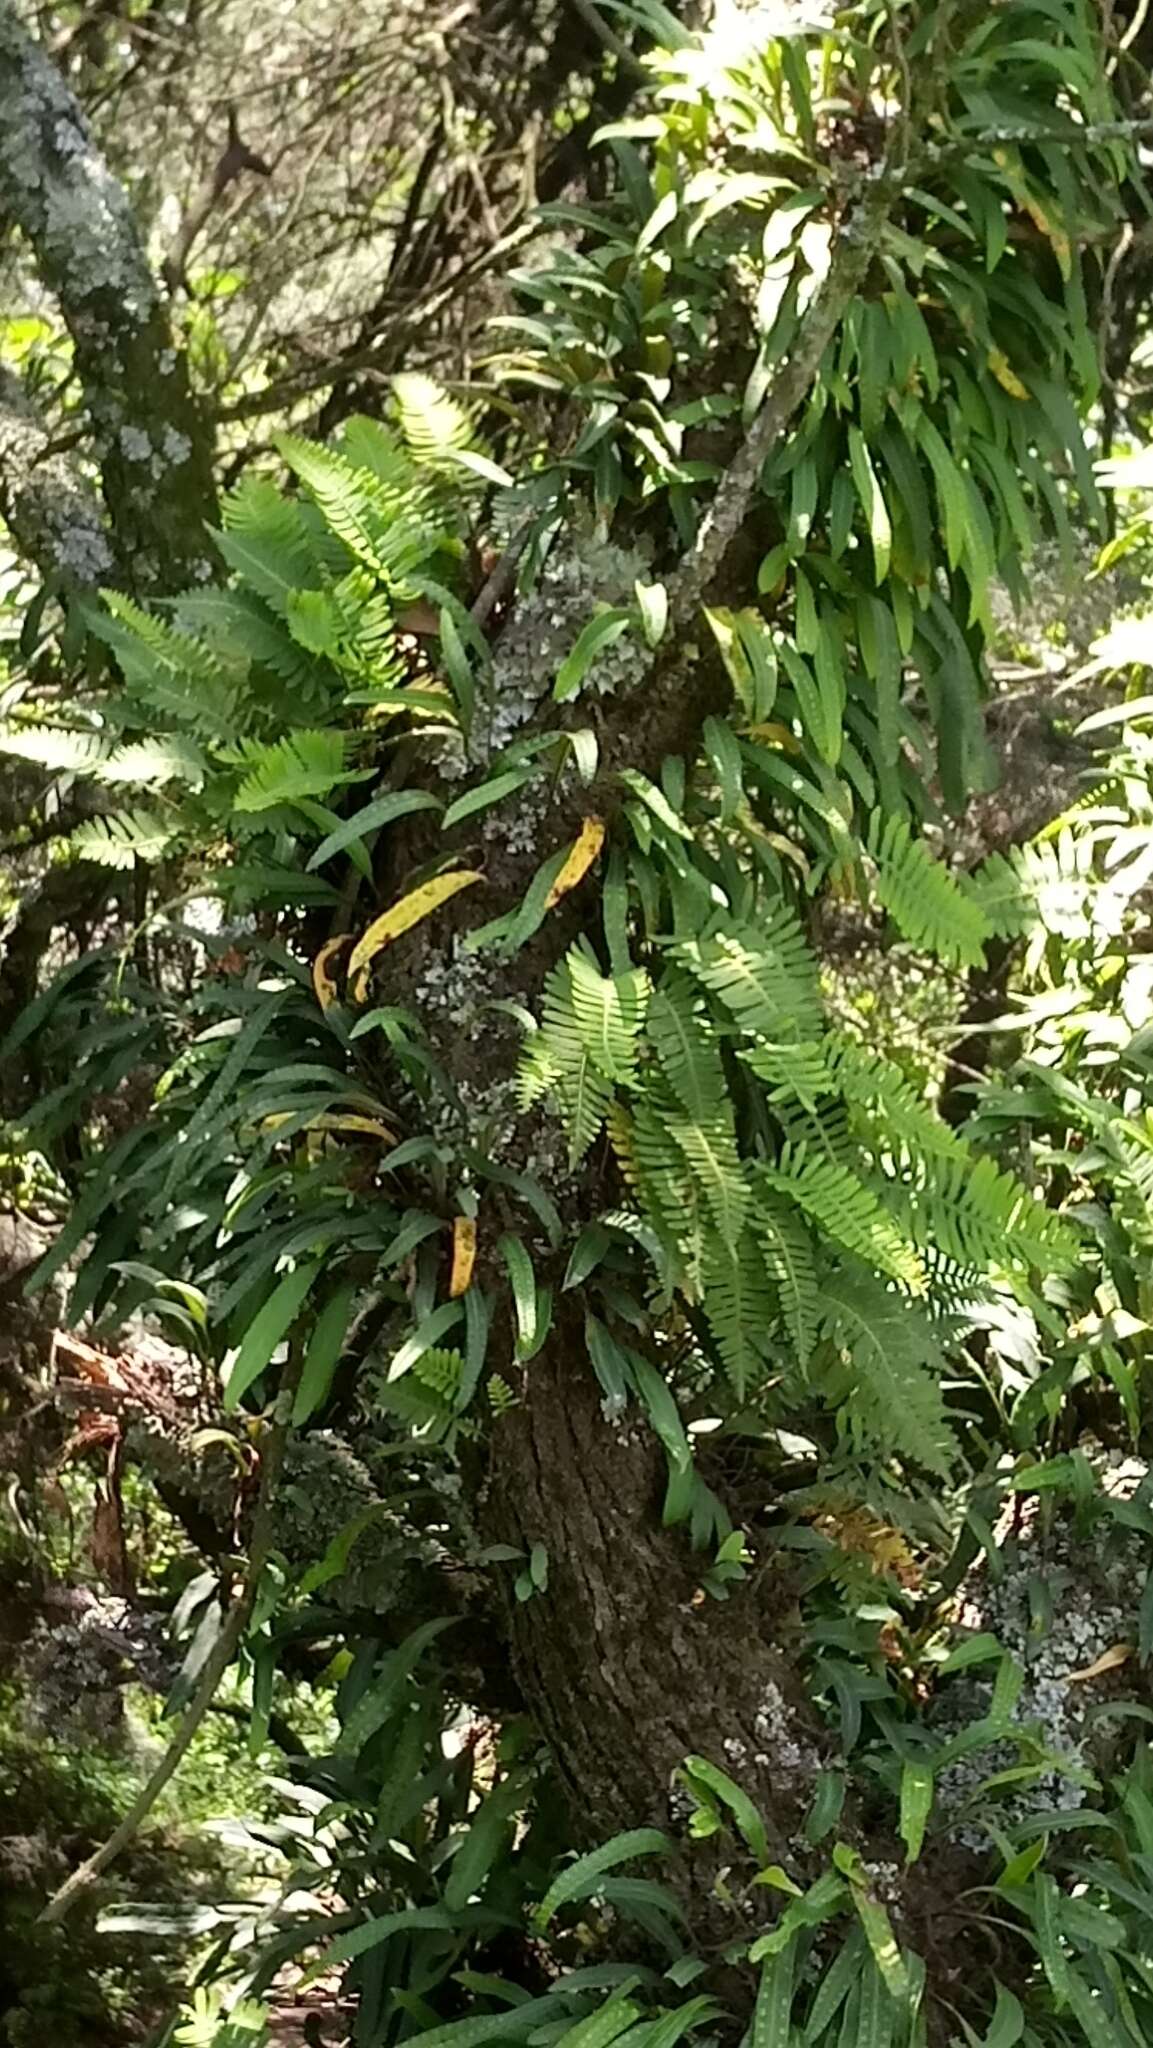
(151, 441)
(48, 506)
(727, 513)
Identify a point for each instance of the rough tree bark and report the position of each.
(48, 505)
(628, 1668)
(151, 442)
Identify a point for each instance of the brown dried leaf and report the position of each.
(1109, 1660)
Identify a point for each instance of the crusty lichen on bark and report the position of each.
(151, 441)
(52, 512)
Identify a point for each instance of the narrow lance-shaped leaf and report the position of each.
(266, 1330)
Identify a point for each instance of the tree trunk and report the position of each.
(49, 507)
(152, 442)
(626, 1663)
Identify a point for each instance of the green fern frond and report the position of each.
(440, 1373)
(980, 1217)
(122, 839)
(557, 1060)
(672, 1200)
(1001, 893)
(823, 1131)
(739, 1307)
(426, 1397)
(62, 749)
(370, 446)
(367, 628)
(718, 1170)
(896, 1397)
(608, 1011)
(172, 672)
(538, 1070)
(584, 1096)
(243, 628)
(382, 526)
(791, 1263)
(499, 1394)
(764, 975)
(264, 539)
(846, 1210)
(155, 761)
(435, 426)
(303, 764)
(925, 901)
(800, 1070)
(686, 1048)
(877, 1085)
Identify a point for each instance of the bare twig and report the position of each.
(498, 584)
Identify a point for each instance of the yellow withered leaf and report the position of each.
(1107, 1661)
(1036, 213)
(1054, 234)
(369, 1125)
(1005, 374)
(583, 852)
(327, 992)
(418, 904)
(330, 1120)
(773, 734)
(463, 1255)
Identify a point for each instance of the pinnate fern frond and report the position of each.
(435, 426)
(382, 526)
(173, 673)
(925, 901)
(710, 1151)
(123, 838)
(981, 1216)
(559, 1057)
(764, 975)
(896, 1398)
(686, 1048)
(799, 1070)
(153, 761)
(60, 748)
(243, 628)
(791, 1263)
(1047, 886)
(303, 764)
(848, 1211)
(739, 1307)
(609, 1011)
(440, 1372)
(823, 1131)
(584, 1096)
(370, 446)
(872, 1083)
(672, 1199)
(538, 1070)
(265, 540)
